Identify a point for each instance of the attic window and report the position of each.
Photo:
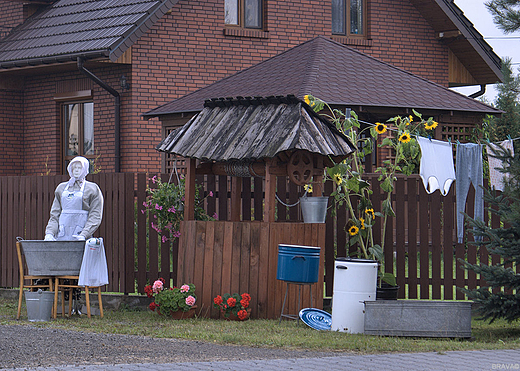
(349, 18)
(244, 13)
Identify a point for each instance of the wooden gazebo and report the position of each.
(251, 137)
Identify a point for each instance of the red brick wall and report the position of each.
(187, 50)
(11, 132)
(11, 15)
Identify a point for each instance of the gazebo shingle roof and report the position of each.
(334, 73)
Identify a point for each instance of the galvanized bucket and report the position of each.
(314, 209)
(39, 305)
(53, 258)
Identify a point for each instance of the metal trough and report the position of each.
(53, 258)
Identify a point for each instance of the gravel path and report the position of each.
(30, 346)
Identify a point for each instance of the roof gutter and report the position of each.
(117, 111)
(478, 93)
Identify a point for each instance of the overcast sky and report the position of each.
(503, 45)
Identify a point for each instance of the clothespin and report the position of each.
(508, 137)
(458, 142)
(449, 140)
(430, 137)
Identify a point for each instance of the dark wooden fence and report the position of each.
(422, 238)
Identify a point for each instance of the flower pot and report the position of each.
(387, 292)
(184, 315)
(314, 209)
(232, 317)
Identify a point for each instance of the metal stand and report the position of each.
(295, 316)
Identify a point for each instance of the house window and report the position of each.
(78, 130)
(243, 13)
(349, 18)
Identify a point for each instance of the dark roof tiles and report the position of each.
(334, 73)
(72, 27)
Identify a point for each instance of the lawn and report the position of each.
(268, 333)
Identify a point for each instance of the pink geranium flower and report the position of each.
(185, 288)
(190, 300)
(157, 286)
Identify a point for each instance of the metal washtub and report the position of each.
(53, 258)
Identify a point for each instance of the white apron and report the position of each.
(72, 218)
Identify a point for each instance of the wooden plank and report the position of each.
(189, 193)
(254, 261)
(141, 233)
(246, 199)
(217, 264)
(222, 197)
(153, 252)
(206, 290)
(435, 223)
(448, 217)
(200, 242)
(189, 254)
(258, 199)
(235, 257)
(400, 246)
(227, 249)
(236, 198)
(412, 237)
(424, 246)
(263, 294)
(294, 195)
(329, 245)
(270, 190)
(281, 191)
(183, 243)
(245, 257)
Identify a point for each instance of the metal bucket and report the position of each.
(53, 258)
(298, 263)
(39, 305)
(314, 209)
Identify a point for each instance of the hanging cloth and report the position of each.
(72, 218)
(469, 171)
(436, 167)
(496, 177)
(93, 271)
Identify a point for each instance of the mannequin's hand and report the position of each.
(78, 237)
(49, 237)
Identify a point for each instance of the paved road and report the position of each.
(459, 361)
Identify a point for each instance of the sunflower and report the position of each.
(405, 137)
(338, 179)
(380, 128)
(308, 188)
(307, 99)
(370, 212)
(410, 118)
(431, 126)
(353, 230)
(362, 223)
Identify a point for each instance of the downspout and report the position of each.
(479, 93)
(117, 112)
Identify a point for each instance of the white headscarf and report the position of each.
(85, 165)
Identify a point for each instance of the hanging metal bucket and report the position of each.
(314, 209)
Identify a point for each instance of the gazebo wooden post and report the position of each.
(189, 190)
(318, 179)
(236, 198)
(270, 192)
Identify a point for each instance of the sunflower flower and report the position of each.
(353, 230)
(405, 137)
(380, 128)
(338, 179)
(307, 100)
(431, 126)
(362, 223)
(370, 212)
(308, 188)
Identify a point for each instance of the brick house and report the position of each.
(77, 75)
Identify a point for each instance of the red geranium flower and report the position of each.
(245, 295)
(244, 303)
(242, 314)
(153, 306)
(231, 302)
(218, 300)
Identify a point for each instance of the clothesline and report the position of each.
(391, 129)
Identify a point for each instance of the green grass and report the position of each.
(268, 333)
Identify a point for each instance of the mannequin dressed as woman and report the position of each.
(77, 209)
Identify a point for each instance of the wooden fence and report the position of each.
(422, 238)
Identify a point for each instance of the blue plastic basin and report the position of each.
(298, 263)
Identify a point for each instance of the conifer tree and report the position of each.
(504, 241)
(506, 14)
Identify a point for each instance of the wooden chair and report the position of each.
(32, 279)
(60, 284)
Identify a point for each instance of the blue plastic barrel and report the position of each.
(298, 263)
